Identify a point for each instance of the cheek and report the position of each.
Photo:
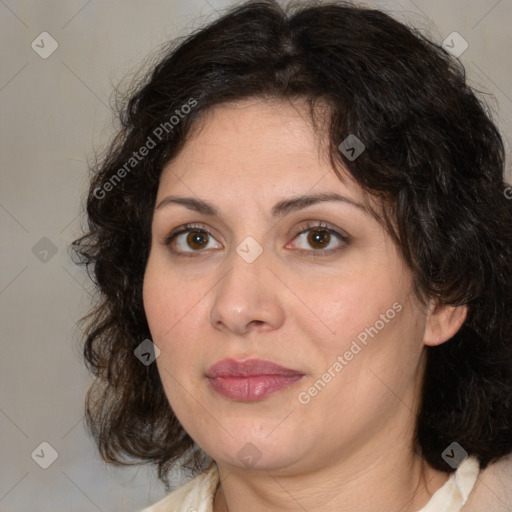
(168, 300)
(166, 308)
(363, 300)
(359, 381)
(176, 309)
(368, 321)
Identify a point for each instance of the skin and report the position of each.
(295, 309)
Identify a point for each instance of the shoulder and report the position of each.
(493, 488)
(194, 496)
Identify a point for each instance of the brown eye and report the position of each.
(197, 239)
(318, 239)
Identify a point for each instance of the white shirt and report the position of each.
(495, 493)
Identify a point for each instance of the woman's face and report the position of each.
(338, 312)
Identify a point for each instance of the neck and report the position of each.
(380, 487)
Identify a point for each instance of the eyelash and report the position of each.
(308, 227)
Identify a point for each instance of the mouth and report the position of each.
(250, 380)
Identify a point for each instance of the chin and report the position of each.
(254, 452)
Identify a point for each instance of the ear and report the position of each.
(443, 322)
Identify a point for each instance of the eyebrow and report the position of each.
(280, 209)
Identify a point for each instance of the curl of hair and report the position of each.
(432, 154)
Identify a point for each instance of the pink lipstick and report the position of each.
(250, 380)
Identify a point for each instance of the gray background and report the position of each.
(54, 113)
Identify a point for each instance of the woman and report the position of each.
(303, 244)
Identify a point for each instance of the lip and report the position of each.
(250, 380)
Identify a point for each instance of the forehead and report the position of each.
(268, 146)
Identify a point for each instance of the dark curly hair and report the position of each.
(433, 156)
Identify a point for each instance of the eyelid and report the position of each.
(322, 226)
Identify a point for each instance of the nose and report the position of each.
(248, 297)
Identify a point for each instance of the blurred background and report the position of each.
(60, 63)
